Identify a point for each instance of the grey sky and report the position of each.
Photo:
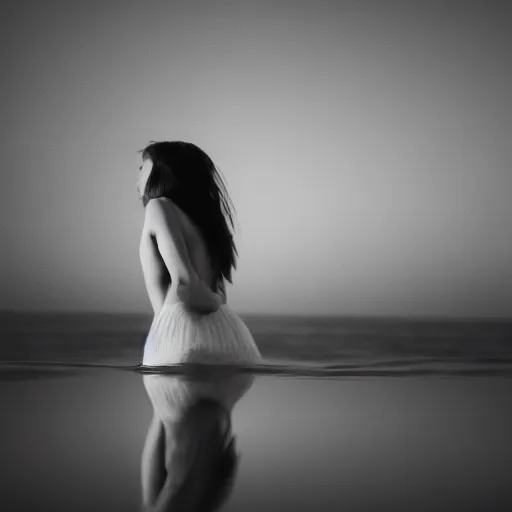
(366, 146)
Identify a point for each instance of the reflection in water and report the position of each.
(189, 459)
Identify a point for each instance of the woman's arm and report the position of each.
(156, 276)
(221, 292)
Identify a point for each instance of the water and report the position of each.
(347, 415)
(292, 341)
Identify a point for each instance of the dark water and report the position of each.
(347, 415)
(293, 341)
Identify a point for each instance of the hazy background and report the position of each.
(366, 146)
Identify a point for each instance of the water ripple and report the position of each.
(434, 366)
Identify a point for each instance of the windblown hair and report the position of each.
(186, 174)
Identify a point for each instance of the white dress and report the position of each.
(178, 335)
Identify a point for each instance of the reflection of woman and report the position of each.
(189, 458)
(186, 252)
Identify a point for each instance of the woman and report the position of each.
(186, 252)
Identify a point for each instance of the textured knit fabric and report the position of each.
(178, 335)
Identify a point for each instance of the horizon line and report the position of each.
(345, 316)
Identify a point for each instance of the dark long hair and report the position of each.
(186, 174)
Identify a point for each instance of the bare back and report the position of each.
(197, 248)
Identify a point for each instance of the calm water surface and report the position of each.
(349, 416)
(73, 441)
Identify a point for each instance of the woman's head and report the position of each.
(186, 174)
(144, 173)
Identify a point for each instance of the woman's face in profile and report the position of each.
(144, 172)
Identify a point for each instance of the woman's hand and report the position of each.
(198, 297)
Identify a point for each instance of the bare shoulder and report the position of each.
(159, 211)
(159, 204)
